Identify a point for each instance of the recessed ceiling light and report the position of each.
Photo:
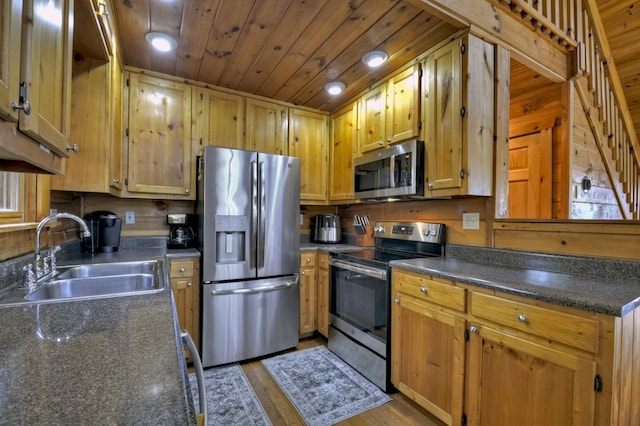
(334, 88)
(161, 42)
(375, 58)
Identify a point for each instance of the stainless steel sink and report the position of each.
(107, 269)
(97, 280)
(95, 286)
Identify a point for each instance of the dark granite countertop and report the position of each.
(613, 295)
(115, 360)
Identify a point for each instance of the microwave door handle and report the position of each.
(254, 213)
(392, 171)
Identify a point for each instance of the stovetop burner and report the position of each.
(398, 241)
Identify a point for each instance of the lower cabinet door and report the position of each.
(513, 381)
(428, 357)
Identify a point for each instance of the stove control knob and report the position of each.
(379, 229)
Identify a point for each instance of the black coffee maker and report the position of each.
(105, 229)
(181, 230)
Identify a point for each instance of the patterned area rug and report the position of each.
(230, 398)
(322, 387)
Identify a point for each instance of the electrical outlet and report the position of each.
(301, 219)
(130, 217)
(470, 220)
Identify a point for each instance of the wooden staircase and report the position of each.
(576, 26)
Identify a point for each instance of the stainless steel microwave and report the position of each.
(392, 173)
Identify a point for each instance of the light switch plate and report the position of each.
(470, 220)
(130, 217)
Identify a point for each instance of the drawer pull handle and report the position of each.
(423, 290)
(522, 318)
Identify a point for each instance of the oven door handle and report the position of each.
(370, 272)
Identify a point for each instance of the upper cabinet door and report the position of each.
(10, 31)
(267, 126)
(403, 111)
(160, 159)
(343, 142)
(220, 119)
(308, 140)
(46, 71)
(372, 116)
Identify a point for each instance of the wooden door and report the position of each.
(88, 170)
(372, 112)
(430, 373)
(10, 34)
(159, 136)
(530, 176)
(322, 312)
(308, 140)
(442, 109)
(267, 127)
(47, 44)
(307, 300)
(403, 112)
(342, 152)
(513, 381)
(220, 119)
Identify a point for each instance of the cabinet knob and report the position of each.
(522, 318)
(301, 272)
(187, 191)
(473, 329)
(181, 269)
(73, 148)
(115, 180)
(396, 301)
(189, 284)
(381, 143)
(423, 290)
(309, 260)
(25, 106)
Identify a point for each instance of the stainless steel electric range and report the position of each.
(360, 294)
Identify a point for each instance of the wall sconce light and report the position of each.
(375, 58)
(161, 42)
(334, 88)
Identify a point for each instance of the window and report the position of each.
(11, 198)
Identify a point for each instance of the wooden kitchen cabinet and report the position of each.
(219, 119)
(36, 69)
(322, 313)
(546, 384)
(343, 144)
(309, 141)
(267, 127)
(160, 159)
(458, 108)
(489, 358)
(389, 113)
(307, 293)
(427, 343)
(96, 99)
(185, 281)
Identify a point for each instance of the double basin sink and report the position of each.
(98, 280)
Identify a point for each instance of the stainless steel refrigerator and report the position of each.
(248, 206)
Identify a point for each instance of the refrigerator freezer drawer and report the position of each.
(248, 319)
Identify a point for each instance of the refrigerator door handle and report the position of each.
(262, 215)
(255, 194)
(261, 289)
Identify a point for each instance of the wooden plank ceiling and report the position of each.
(281, 49)
(621, 19)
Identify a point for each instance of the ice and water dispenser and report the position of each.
(231, 232)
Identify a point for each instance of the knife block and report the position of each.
(366, 239)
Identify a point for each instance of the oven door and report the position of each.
(359, 303)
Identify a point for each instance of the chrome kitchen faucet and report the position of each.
(42, 268)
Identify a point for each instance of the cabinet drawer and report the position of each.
(429, 289)
(181, 269)
(307, 259)
(556, 326)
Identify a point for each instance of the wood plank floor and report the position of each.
(400, 411)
